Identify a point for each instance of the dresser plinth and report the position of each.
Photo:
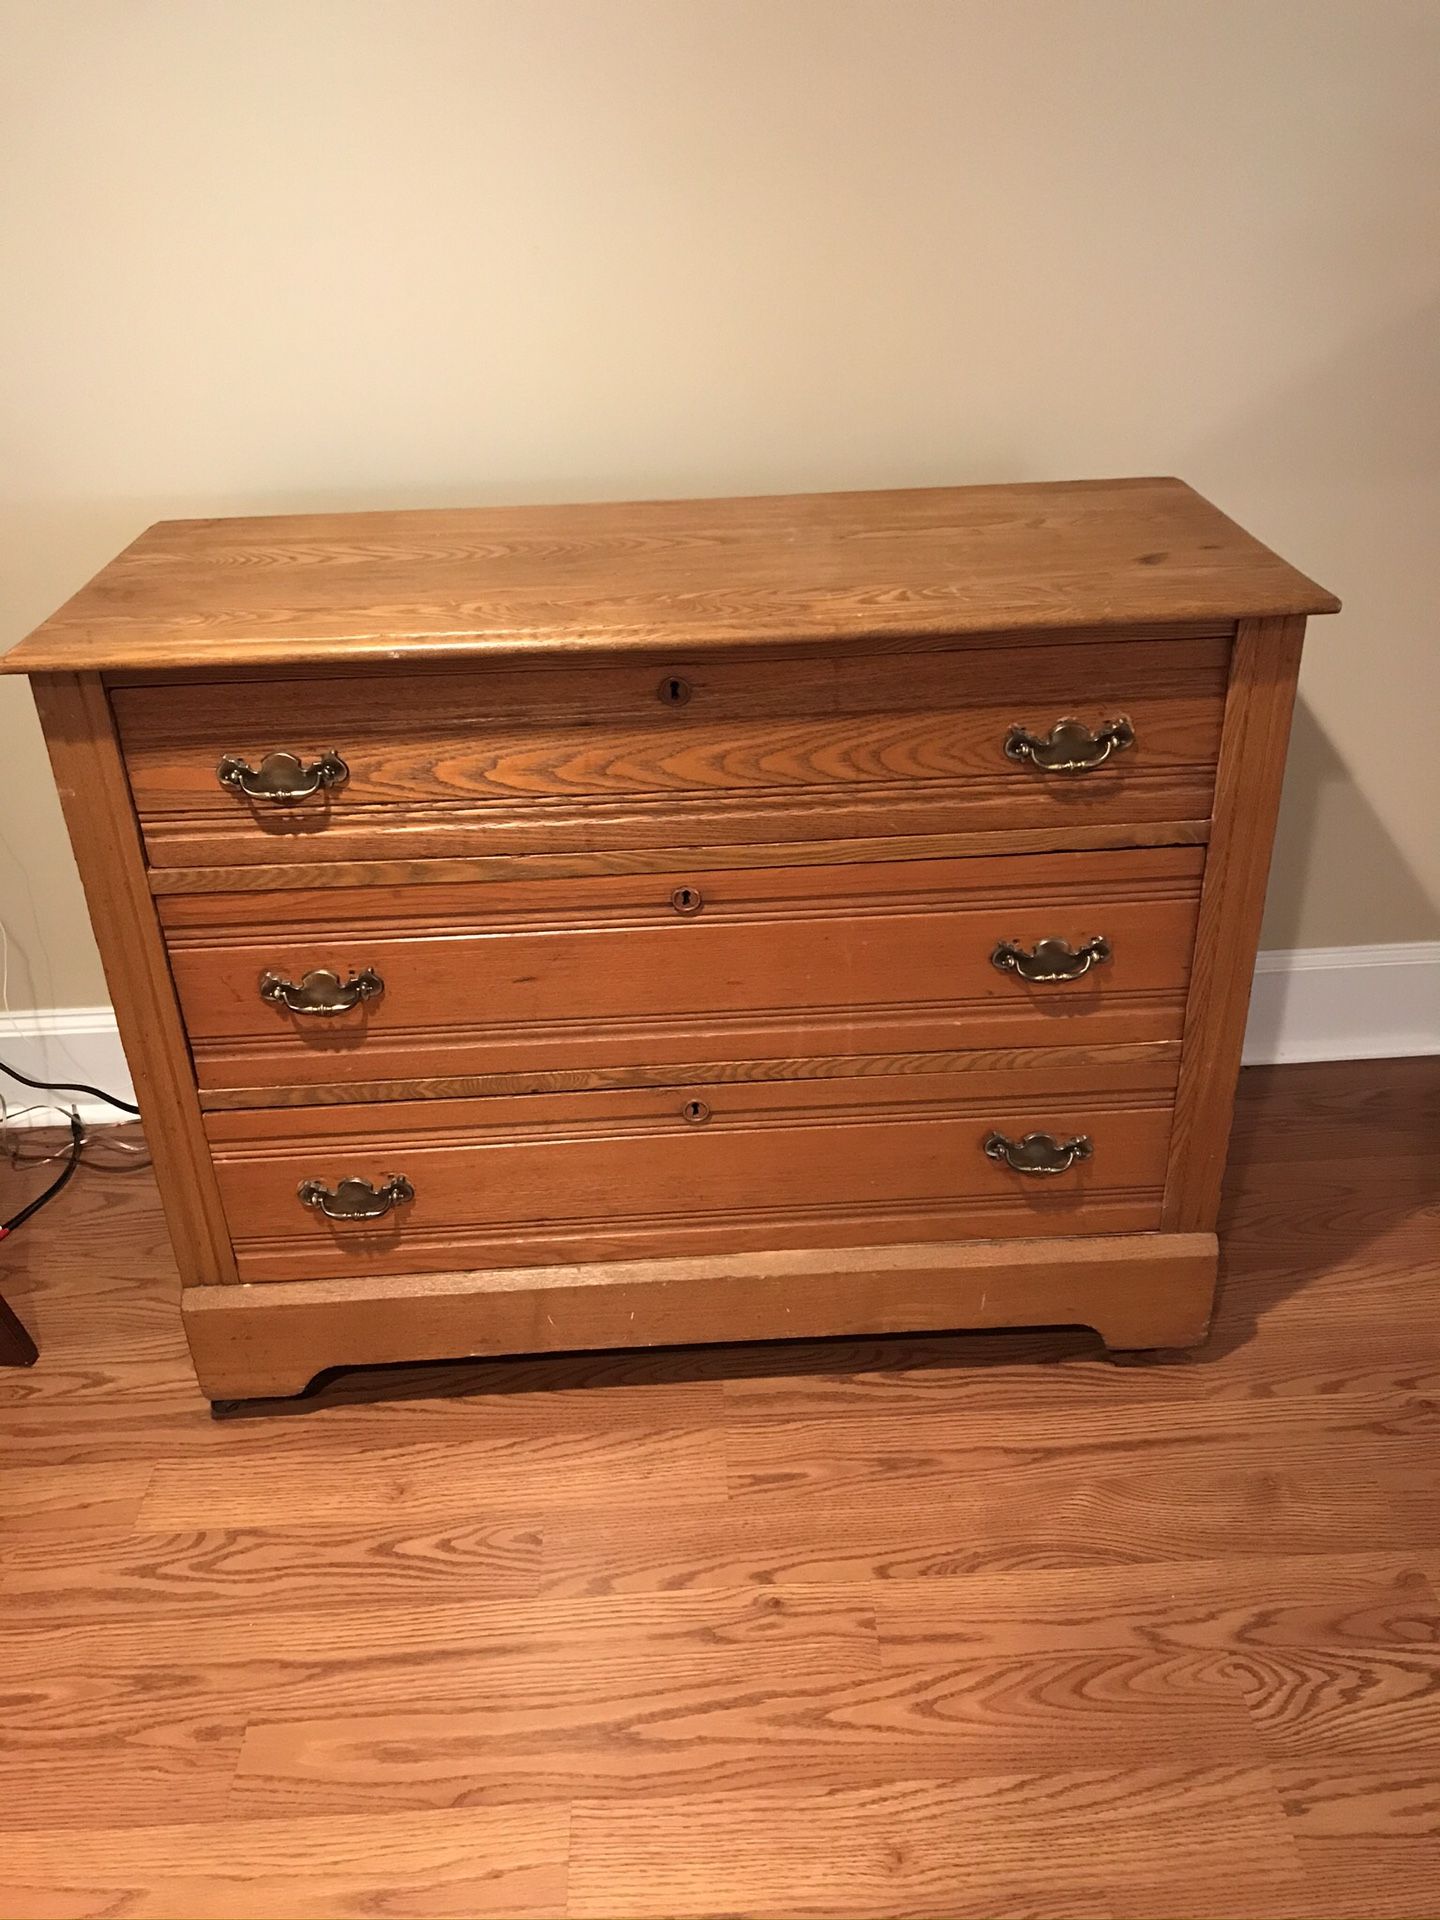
(1136, 1291)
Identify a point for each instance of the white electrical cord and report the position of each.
(8, 1116)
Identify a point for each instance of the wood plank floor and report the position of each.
(967, 1626)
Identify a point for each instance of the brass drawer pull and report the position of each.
(281, 778)
(1051, 959)
(1038, 1153)
(1070, 746)
(321, 991)
(355, 1199)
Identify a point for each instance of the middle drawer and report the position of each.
(689, 968)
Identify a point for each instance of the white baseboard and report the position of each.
(1345, 1003)
(1315, 1003)
(63, 1043)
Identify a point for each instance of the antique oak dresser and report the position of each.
(602, 926)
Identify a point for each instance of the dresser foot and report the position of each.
(1169, 1322)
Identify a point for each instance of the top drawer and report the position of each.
(593, 758)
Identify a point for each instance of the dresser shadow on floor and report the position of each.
(675, 1366)
(1326, 1160)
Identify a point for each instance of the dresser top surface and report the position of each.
(665, 576)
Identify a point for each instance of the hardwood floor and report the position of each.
(968, 1626)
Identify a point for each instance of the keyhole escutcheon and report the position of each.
(687, 900)
(673, 691)
(695, 1111)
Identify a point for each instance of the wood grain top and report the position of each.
(666, 575)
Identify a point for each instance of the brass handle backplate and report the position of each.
(1070, 746)
(1051, 960)
(321, 991)
(355, 1199)
(281, 778)
(1038, 1153)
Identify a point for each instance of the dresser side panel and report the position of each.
(1265, 666)
(95, 797)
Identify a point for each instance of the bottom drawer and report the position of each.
(726, 1167)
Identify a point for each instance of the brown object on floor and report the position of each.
(17, 1349)
(979, 1625)
(691, 921)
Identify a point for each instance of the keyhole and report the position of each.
(687, 900)
(674, 691)
(695, 1111)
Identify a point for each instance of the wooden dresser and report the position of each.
(605, 926)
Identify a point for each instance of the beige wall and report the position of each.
(273, 254)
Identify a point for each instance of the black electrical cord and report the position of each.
(64, 1086)
(77, 1138)
(77, 1141)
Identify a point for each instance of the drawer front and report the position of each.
(681, 968)
(592, 759)
(597, 1176)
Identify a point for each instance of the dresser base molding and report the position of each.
(1135, 1290)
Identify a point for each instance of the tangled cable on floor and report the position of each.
(77, 1138)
